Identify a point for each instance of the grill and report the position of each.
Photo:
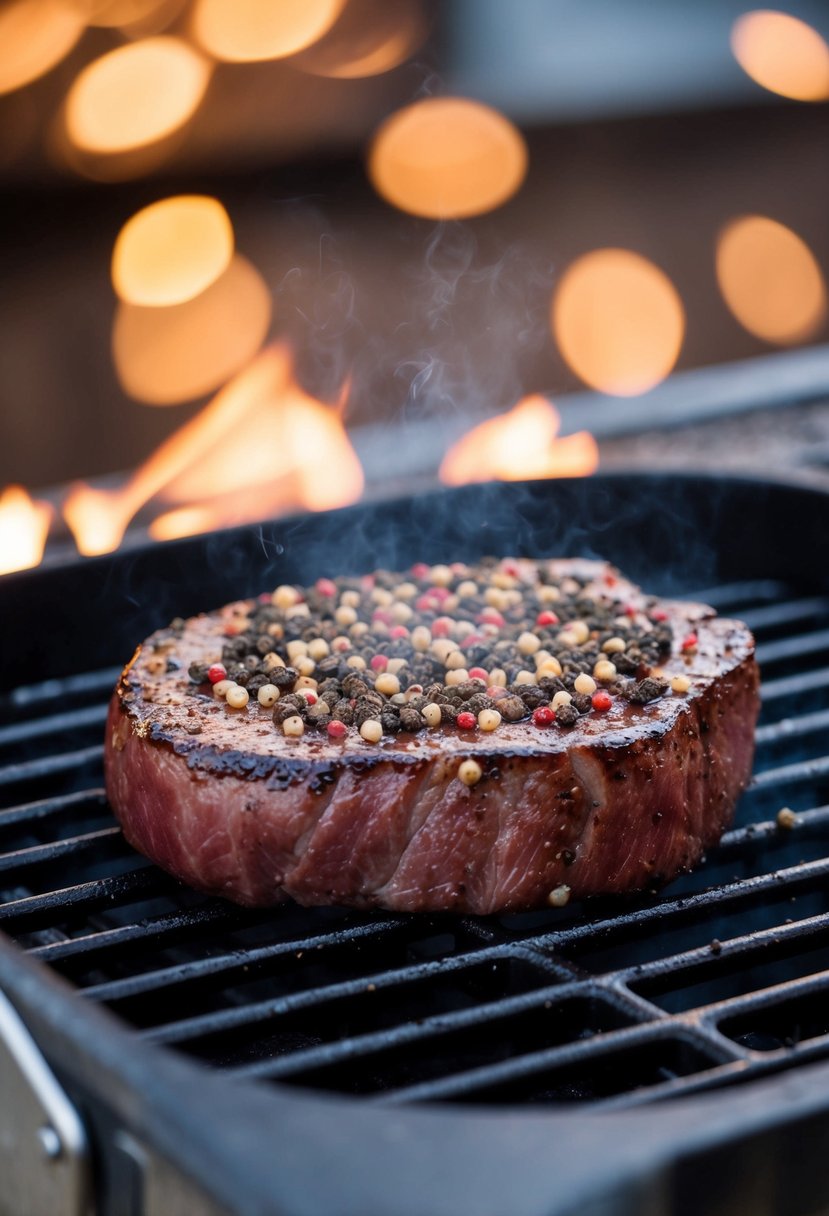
(593, 1054)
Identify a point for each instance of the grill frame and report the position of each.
(486, 1160)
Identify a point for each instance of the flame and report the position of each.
(782, 54)
(770, 280)
(371, 37)
(520, 444)
(618, 321)
(34, 36)
(447, 158)
(261, 439)
(244, 31)
(164, 356)
(172, 250)
(24, 524)
(135, 95)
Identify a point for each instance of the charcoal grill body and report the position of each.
(663, 1054)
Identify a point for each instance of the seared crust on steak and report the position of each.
(621, 800)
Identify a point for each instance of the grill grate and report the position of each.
(723, 977)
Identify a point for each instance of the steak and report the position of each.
(475, 739)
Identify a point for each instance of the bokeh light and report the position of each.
(244, 31)
(164, 356)
(618, 321)
(783, 54)
(770, 280)
(371, 37)
(447, 158)
(172, 250)
(135, 95)
(34, 36)
(136, 18)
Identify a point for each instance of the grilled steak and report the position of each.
(469, 738)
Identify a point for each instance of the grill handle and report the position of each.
(44, 1152)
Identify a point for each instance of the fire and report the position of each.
(261, 446)
(244, 31)
(135, 95)
(24, 524)
(782, 54)
(164, 356)
(618, 321)
(447, 158)
(34, 36)
(520, 444)
(172, 250)
(770, 280)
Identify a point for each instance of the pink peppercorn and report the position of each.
(546, 618)
(442, 627)
(490, 616)
(601, 701)
(380, 662)
(382, 616)
(478, 673)
(659, 614)
(544, 716)
(496, 693)
(325, 586)
(217, 672)
(399, 631)
(420, 569)
(466, 721)
(690, 642)
(471, 639)
(337, 730)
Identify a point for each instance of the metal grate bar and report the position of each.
(790, 729)
(31, 911)
(45, 692)
(795, 647)
(21, 859)
(729, 595)
(788, 612)
(230, 965)
(49, 766)
(91, 946)
(792, 774)
(53, 725)
(223, 1020)
(46, 808)
(528, 1067)
(789, 686)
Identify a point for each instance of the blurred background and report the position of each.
(268, 255)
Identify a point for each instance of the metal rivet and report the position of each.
(49, 1142)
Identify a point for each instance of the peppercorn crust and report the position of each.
(477, 819)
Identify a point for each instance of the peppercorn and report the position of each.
(567, 715)
(390, 722)
(643, 691)
(512, 708)
(281, 712)
(284, 677)
(198, 673)
(343, 712)
(532, 695)
(448, 713)
(411, 719)
(354, 684)
(583, 702)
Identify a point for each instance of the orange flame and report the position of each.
(520, 444)
(261, 446)
(24, 524)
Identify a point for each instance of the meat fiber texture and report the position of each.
(620, 801)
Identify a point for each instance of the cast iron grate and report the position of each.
(723, 977)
